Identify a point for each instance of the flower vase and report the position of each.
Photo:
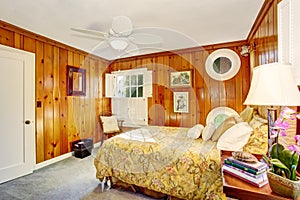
(283, 186)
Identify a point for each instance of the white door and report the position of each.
(17, 113)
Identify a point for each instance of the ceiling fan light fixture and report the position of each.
(118, 44)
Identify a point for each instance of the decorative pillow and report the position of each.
(208, 131)
(247, 114)
(219, 119)
(235, 138)
(237, 119)
(263, 111)
(109, 124)
(195, 131)
(229, 122)
(258, 141)
(257, 121)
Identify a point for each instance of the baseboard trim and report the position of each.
(98, 144)
(58, 158)
(53, 160)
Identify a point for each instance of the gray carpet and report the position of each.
(70, 179)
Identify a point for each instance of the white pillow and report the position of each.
(110, 124)
(195, 131)
(235, 138)
(208, 131)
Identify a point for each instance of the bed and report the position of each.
(165, 160)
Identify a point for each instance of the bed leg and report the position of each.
(133, 189)
(108, 184)
(103, 183)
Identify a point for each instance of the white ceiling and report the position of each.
(180, 24)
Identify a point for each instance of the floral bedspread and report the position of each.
(163, 159)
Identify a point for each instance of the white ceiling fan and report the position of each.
(122, 37)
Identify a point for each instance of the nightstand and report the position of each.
(239, 189)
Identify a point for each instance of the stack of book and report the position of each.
(253, 173)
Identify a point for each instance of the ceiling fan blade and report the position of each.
(102, 45)
(145, 39)
(132, 48)
(90, 37)
(91, 32)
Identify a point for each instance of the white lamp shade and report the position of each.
(273, 85)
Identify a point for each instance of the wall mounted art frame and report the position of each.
(181, 102)
(222, 64)
(180, 79)
(76, 81)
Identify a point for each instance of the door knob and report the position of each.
(27, 122)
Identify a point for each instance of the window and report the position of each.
(129, 84)
(129, 90)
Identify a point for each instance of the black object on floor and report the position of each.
(82, 148)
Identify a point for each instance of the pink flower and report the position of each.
(288, 113)
(294, 148)
(297, 138)
(283, 133)
(274, 134)
(281, 124)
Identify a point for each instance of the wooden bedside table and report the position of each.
(239, 189)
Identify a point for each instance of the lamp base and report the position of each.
(272, 116)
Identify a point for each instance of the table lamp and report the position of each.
(273, 85)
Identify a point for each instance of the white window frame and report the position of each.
(112, 87)
(133, 110)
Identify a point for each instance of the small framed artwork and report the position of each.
(181, 102)
(76, 78)
(180, 79)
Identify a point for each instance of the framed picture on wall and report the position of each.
(76, 78)
(180, 79)
(181, 102)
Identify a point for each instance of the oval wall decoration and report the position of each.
(222, 64)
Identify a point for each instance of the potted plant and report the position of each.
(282, 175)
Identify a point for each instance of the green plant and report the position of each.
(284, 161)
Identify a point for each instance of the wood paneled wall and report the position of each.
(205, 93)
(60, 119)
(263, 37)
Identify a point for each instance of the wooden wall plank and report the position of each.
(48, 102)
(6, 37)
(56, 103)
(168, 93)
(29, 44)
(92, 88)
(63, 61)
(71, 127)
(39, 95)
(198, 82)
(81, 103)
(17, 41)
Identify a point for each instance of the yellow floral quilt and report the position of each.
(165, 160)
